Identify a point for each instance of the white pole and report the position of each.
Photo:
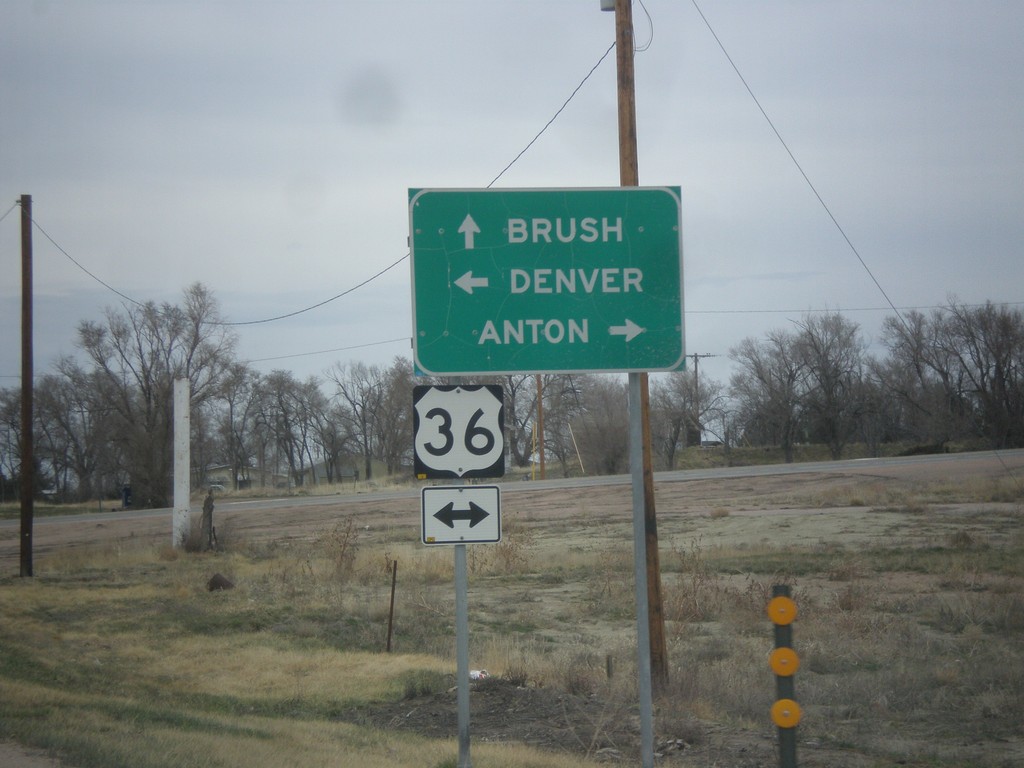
(181, 521)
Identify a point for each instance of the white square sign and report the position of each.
(461, 514)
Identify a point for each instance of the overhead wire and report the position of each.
(842, 309)
(799, 167)
(390, 266)
(519, 155)
(554, 116)
(650, 28)
(329, 351)
(514, 160)
(814, 190)
(373, 277)
(16, 204)
(74, 261)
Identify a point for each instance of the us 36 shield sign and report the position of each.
(459, 431)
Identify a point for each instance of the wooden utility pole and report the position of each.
(27, 455)
(540, 424)
(629, 176)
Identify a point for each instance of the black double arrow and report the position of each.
(448, 514)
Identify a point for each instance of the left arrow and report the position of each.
(467, 282)
(448, 514)
(470, 229)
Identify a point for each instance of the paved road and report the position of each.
(1013, 461)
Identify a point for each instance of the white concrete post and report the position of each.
(182, 515)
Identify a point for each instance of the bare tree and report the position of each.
(238, 418)
(520, 413)
(960, 372)
(908, 380)
(393, 422)
(563, 404)
(10, 441)
(136, 355)
(987, 344)
(76, 432)
(333, 440)
(768, 389)
(603, 426)
(832, 352)
(285, 412)
(682, 408)
(360, 391)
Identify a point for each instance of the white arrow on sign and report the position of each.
(469, 228)
(630, 330)
(467, 282)
(460, 514)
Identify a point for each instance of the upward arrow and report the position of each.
(469, 228)
(448, 514)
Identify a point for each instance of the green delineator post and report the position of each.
(784, 662)
(546, 280)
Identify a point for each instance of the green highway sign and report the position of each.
(546, 280)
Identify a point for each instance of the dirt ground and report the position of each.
(801, 507)
(16, 756)
(751, 503)
(501, 711)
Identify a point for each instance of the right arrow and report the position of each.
(448, 514)
(629, 329)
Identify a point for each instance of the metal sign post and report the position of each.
(458, 432)
(462, 652)
(456, 515)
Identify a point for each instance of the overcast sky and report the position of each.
(265, 149)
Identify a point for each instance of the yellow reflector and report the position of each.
(784, 662)
(785, 713)
(782, 610)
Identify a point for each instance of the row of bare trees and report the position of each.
(954, 375)
(104, 419)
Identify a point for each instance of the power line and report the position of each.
(891, 306)
(329, 351)
(687, 312)
(808, 311)
(495, 179)
(840, 310)
(325, 301)
(554, 116)
(799, 167)
(372, 277)
(81, 267)
(16, 204)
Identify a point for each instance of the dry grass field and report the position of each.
(908, 582)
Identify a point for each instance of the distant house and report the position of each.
(249, 477)
(318, 475)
